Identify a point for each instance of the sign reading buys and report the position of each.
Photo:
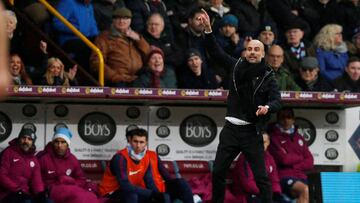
(97, 128)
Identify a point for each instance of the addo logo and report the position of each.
(306, 129)
(5, 126)
(198, 130)
(97, 128)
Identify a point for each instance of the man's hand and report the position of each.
(205, 20)
(132, 35)
(262, 110)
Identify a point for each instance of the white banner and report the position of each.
(185, 133)
(98, 130)
(14, 116)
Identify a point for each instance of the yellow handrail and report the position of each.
(81, 36)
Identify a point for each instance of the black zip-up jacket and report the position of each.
(245, 96)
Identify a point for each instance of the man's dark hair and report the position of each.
(353, 59)
(194, 11)
(285, 112)
(138, 132)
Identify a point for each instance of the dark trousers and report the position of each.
(233, 140)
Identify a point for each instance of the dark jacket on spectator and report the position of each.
(326, 13)
(349, 17)
(321, 85)
(172, 53)
(188, 80)
(345, 84)
(142, 9)
(249, 17)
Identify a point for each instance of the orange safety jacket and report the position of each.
(135, 173)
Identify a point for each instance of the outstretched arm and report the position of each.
(212, 47)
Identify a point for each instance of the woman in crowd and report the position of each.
(55, 74)
(332, 52)
(17, 71)
(156, 74)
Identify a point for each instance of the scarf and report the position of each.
(342, 48)
(289, 131)
(299, 52)
(155, 79)
(133, 155)
(248, 71)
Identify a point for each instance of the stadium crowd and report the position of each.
(158, 43)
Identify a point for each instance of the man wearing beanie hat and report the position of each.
(20, 178)
(62, 173)
(195, 76)
(253, 96)
(267, 34)
(123, 50)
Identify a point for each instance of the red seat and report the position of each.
(189, 169)
(93, 169)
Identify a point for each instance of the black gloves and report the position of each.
(41, 197)
(157, 197)
(21, 196)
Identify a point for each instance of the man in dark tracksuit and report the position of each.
(253, 95)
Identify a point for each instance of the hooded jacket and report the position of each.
(290, 152)
(64, 177)
(19, 170)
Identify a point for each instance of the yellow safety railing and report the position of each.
(81, 36)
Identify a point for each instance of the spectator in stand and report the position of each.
(11, 22)
(310, 78)
(103, 10)
(56, 76)
(244, 185)
(228, 38)
(296, 47)
(178, 12)
(349, 81)
(4, 70)
(217, 10)
(286, 12)
(12, 34)
(156, 74)
(291, 155)
(142, 9)
(275, 58)
(349, 16)
(267, 34)
(192, 36)
(195, 76)
(123, 50)
(35, 10)
(354, 47)
(61, 171)
(326, 11)
(331, 51)
(155, 35)
(18, 72)
(248, 16)
(80, 14)
(136, 174)
(20, 176)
